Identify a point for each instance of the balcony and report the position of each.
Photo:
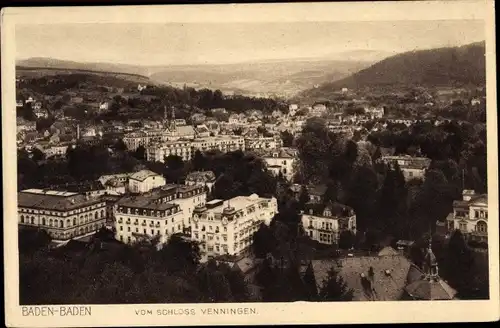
(143, 224)
(120, 220)
(136, 223)
(127, 222)
(157, 225)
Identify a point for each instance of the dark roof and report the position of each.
(390, 276)
(144, 202)
(430, 289)
(53, 200)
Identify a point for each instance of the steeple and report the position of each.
(430, 264)
(172, 120)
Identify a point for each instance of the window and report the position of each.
(476, 214)
(128, 229)
(121, 228)
(43, 221)
(145, 231)
(482, 227)
(22, 218)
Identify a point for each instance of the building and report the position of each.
(40, 113)
(317, 110)
(201, 178)
(188, 197)
(145, 217)
(429, 286)
(158, 151)
(64, 215)
(374, 112)
(263, 143)
(470, 216)
(387, 276)
(226, 227)
(412, 167)
(282, 161)
(144, 181)
(202, 131)
(135, 139)
(325, 223)
(221, 143)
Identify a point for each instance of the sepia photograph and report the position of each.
(249, 161)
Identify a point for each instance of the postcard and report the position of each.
(281, 163)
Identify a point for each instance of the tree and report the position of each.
(346, 239)
(287, 139)
(120, 146)
(198, 161)
(263, 241)
(303, 197)
(310, 283)
(334, 289)
(459, 264)
(140, 153)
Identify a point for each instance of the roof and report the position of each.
(284, 152)
(144, 202)
(390, 275)
(387, 251)
(431, 289)
(184, 130)
(318, 190)
(203, 176)
(143, 175)
(53, 200)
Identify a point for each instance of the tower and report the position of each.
(430, 264)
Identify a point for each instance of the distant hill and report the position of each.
(51, 63)
(279, 76)
(436, 67)
(288, 76)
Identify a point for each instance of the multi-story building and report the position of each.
(226, 227)
(470, 216)
(135, 139)
(221, 143)
(188, 197)
(263, 143)
(158, 151)
(146, 216)
(64, 215)
(282, 161)
(324, 224)
(317, 110)
(201, 178)
(144, 181)
(374, 112)
(412, 167)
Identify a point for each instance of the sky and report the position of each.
(151, 44)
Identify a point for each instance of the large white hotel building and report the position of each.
(226, 227)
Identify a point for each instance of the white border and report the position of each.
(267, 313)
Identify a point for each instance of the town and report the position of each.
(137, 193)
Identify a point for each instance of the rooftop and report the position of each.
(53, 200)
(372, 278)
(143, 175)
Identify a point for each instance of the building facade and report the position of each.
(64, 215)
(144, 181)
(282, 161)
(470, 216)
(226, 227)
(325, 225)
(411, 167)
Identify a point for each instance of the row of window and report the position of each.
(210, 228)
(53, 213)
(153, 231)
(210, 237)
(78, 232)
(60, 223)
